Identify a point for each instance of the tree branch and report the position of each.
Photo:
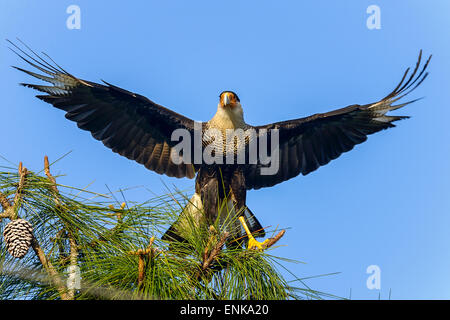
(18, 197)
(52, 179)
(50, 269)
(208, 259)
(72, 241)
(11, 212)
(7, 207)
(147, 254)
(271, 241)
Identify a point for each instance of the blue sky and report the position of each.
(385, 203)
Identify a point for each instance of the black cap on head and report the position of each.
(237, 98)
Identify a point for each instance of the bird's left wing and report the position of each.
(128, 123)
(305, 144)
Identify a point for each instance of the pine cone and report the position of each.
(18, 235)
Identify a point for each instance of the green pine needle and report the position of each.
(107, 237)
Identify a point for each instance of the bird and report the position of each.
(142, 130)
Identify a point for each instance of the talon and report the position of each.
(255, 244)
(252, 242)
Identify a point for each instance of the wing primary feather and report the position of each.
(398, 106)
(45, 65)
(413, 73)
(408, 84)
(394, 92)
(421, 72)
(60, 70)
(53, 90)
(412, 89)
(32, 64)
(36, 55)
(37, 75)
(40, 58)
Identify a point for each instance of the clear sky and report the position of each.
(385, 203)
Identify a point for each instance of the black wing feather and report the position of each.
(128, 123)
(308, 143)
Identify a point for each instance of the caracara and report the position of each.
(141, 130)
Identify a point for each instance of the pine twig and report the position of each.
(147, 254)
(208, 259)
(115, 230)
(18, 197)
(51, 271)
(4, 202)
(119, 214)
(52, 179)
(271, 241)
(214, 252)
(63, 258)
(7, 207)
(10, 210)
(72, 241)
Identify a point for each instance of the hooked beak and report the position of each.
(226, 99)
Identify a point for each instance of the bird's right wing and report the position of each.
(307, 143)
(127, 123)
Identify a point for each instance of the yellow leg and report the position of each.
(252, 242)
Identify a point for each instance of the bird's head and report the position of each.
(229, 99)
(229, 111)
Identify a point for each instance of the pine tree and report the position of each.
(85, 248)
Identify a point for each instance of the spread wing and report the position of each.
(127, 123)
(305, 144)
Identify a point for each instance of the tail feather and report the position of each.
(253, 224)
(190, 217)
(171, 234)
